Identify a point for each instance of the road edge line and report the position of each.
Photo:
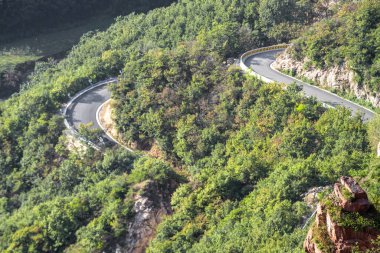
(105, 130)
(71, 129)
(310, 85)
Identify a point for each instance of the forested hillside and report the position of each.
(350, 37)
(39, 31)
(251, 150)
(242, 152)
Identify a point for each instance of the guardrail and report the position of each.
(244, 57)
(247, 69)
(250, 71)
(309, 219)
(70, 127)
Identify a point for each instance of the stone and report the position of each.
(344, 239)
(338, 77)
(309, 245)
(151, 205)
(320, 217)
(353, 187)
(359, 201)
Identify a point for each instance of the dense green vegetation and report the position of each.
(85, 203)
(249, 150)
(351, 36)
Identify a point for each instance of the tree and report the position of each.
(274, 12)
(90, 133)
(374, 132)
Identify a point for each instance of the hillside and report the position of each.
(34, 32)
(342, 52)
(251, 151)
(234, 156)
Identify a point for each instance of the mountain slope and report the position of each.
(242, 151)
(342, 52)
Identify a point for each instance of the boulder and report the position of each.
(349, 197)
(352, 186)
(357, 202)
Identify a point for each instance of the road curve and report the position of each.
(83, 108)
(261, 64)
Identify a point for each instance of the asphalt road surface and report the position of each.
(83, 110)
(260, 63)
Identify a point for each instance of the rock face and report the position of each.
(356, 201)
(150, 208)
(311, 196)
(327, 235)
(320, 220)
(338, 77)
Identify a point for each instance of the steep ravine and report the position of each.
(338, 77)
(152, 204)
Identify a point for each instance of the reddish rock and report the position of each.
(309, 244)
(320, 218)
(359, 201)
(344, 239)
(353, 187)
(360, 205)
(338, 233)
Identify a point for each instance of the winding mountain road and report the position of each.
(261, 64)
(83, 108)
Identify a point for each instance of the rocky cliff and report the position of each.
(152, 204)
(345, 222)
(338, 77)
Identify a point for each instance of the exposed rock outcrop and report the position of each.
(151, 206)
(338, 77)
(355, 199)
(311, 196)
(328, 234)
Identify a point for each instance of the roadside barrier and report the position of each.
(244, 57)
(249, 71)
(71, 127)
